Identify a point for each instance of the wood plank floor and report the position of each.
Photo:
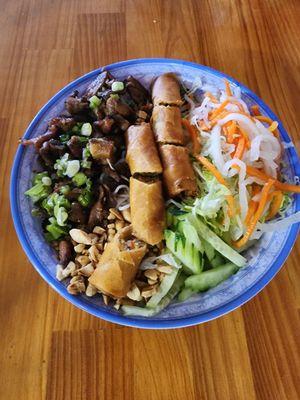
(51, 350)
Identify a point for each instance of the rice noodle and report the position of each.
(278, 225)
(244, 121)
(118, 188)
(243, 194)
(215, 149)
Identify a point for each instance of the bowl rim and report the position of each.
(134, 321)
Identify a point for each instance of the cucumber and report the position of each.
(163, 289)
(216, 242)
(209, 250)
(190, 234)
(217, 261)
(185, 251)
(149, 312)
(211, 278)
(185, 294)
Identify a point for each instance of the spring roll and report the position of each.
(147, 210)
(166, 124)
(166, 90)
(142, 155)
(118, 265)
(178, 173)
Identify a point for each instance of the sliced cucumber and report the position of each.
(149, 312)
(217, 260)
(190, 234)
(185, 294)
(163, 289)
(185, 251)
(209, 279)
(209, 250)
(216, 242)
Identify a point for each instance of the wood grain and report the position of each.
(50, 349)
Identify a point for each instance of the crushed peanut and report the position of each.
(59, 272)
(134, 293)
(105, 299)
(166, 269)
(79, 248)
(87, 270)
(98, 230)
(116, 213)
(151, 274)
(91, 290)
(149, 291)
(76, 285)
(83, 260)
(119, 225)
(80, 236)
(126, 215)
(94, 253)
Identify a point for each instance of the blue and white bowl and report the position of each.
(264, 260)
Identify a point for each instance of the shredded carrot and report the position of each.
(268, 120)
(273, 126)
(221, 115)
(263, 118)
(240, 107)
(217, 174)
(285, 187)
(203, 125)
(193, 135)
(218, 110)
(231, 205)
(211, 96)
(255, 189)
(231, 130)
(258, 213)
(245, 135)
(227, 86)
(255, 110)
(276, 198)
(207, 164)
(240, 148)
(224, 113)
(251, 211)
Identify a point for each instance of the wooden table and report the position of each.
(50, 349)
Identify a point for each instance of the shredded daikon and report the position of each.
(280, 224)
(243, 193)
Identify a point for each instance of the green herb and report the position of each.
(73, 167)
(64, 138)
(38, 192)
(94, 102)
(46, 181)
(39, 176)
(117, 86)
(79, 179)
(85, 199)
(55, 231)
(82, 139)
(86, 129)
(65, 189)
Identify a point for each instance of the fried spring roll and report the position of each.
(118, 265)
(178, 173)
(147, 210)
(142, 155)
(166, 90)
(167, 127)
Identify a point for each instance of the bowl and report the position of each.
(264, 260)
